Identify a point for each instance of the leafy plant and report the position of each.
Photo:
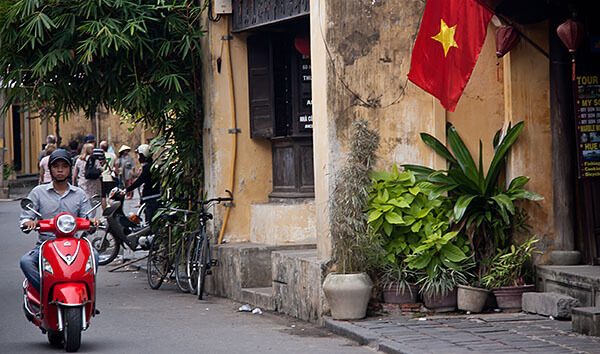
(399, 211)
(445, 280)
(398, 276)
(347, 221)
(438, 251)
(508, 266)
(7, 170)
(482, 207)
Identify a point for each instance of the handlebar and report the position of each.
(208, 201)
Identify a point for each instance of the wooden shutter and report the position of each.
(260, 87)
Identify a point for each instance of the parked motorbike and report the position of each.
(120, 231)
(67, 300)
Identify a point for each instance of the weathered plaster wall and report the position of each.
(360, 60)
(361, 57)
(529, 92)
(252, 182)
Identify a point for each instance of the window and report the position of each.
(279, 80)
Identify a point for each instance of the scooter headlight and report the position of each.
(66, 223)
(46, 266)
(89, 265)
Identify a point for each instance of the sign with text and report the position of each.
(587, 120)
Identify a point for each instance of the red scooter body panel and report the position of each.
(67, 279)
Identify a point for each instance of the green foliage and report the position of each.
(142, 59)
(482, 207)
(138, 57)
(413, 231)
(398, 209)
(7, 170)
(349, 198)
(508, 266)
(444, 281)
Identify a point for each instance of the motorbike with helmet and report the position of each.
(124, 231)
(66, 300)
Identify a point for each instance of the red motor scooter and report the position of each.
(67, 282)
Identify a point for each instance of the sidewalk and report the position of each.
(482, 333)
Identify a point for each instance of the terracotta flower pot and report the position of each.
(348, 295)
(391, 295)
(440, 303)
(509, 297)
(471, 299)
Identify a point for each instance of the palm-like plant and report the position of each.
(483, 208)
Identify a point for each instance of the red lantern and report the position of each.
(506, 39)
(302, 44)
(571, 34)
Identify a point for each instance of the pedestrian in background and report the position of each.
(90, 139)
(109, 176)
(89, 186)
(125, 166)
(50, 139)
(45, 176)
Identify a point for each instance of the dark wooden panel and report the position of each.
(260, 88)
(293, 175)
(255, 13)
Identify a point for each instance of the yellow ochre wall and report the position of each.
(252, 182)
(363, 49)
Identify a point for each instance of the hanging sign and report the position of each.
(587, 118)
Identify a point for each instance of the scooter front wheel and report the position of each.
(72, 329)
(107, 246)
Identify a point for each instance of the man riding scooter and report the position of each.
(50, 200)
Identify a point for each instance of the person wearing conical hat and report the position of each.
(126, 166)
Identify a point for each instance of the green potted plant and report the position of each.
(348, 289)
(484, 209)
(508, 273)
(441, 260)
(401, 217)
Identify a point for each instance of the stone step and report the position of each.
(259, 297)
(586, 320)
(549, 304)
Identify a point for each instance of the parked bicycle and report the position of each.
(199, 262)
(166, 255)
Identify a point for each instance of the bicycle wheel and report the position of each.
(181, 266)
(107, 246)
(204, 265)
(192, 263)
(158, 261)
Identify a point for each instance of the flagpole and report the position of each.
(540, 49)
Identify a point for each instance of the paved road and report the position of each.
(136, 319)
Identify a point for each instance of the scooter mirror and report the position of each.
(96, 199)
(26, 204)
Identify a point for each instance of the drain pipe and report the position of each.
(233, 131)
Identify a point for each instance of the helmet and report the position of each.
(144, 150)
(60, 154)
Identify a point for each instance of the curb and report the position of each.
(365, 337)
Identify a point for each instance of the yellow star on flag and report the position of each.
(446, 37)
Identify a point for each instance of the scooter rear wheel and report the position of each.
(107, 250)
(72, 329)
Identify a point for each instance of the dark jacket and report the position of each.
(151, 186)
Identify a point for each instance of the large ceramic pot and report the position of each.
(440, 303)
(348, 295)
(509, 297)
(393, 295)
(471, 299)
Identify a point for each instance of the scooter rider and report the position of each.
(49, 200)
(151, 190)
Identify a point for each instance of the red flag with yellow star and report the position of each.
(449, 41)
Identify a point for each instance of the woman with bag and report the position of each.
(89, 186)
